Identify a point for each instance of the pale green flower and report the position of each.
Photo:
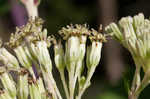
(72, 47)
(94, 51)
(22, 57)
(133, 34)
(43, 56)
(8, 59)
(9, 84)
(59, 56)
(22, 86)
(94, 54)
(5, 95)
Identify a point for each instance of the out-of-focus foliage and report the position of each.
(4, 7)
(111, 95)
(61, 12)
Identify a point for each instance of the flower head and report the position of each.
(74, 30)
(94, 50)
(75, 35)
(133, 34)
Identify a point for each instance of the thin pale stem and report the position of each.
(55, 86)
(90, 74)
(49, 84)
(136, 79)
(71, 80)
(131, 96)
(77, 71)
(64, 83)
(135, 94)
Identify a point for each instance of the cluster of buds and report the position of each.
(26, 71)
(72, 58)
(133, 34)
(31, 62)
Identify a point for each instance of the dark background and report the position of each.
(116, 67)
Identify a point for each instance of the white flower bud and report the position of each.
(93, 54)
(32, 48)
(23, 87)
(138, 20)
(127, 25)
(8, 59)
(72, 49)
(43, 55)
(22, 57)
(59, 56)
(82, 47)
(114, 30)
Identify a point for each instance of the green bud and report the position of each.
(59, 56)
(82, 82)
(43, 55)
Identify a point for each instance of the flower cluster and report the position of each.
(133, 34)
(75, 37)
(27, 68)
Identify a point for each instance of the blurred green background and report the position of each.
(114, 73)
